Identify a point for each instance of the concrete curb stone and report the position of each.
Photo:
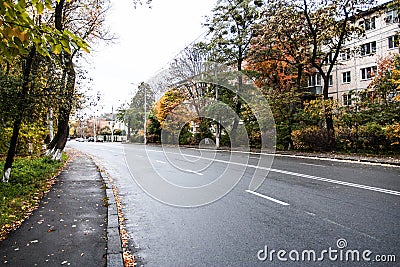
(114, 245)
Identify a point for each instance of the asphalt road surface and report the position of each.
(348, 214)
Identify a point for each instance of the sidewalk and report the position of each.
(70, 226)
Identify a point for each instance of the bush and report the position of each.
(311, 138)
(153, 138)
(392, 133)
(136, 138)
(372, 135)
(347, 139)
(30, 140)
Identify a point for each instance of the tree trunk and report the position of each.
(328, 116)
(59, 141)
(27, 69)
(237, 102)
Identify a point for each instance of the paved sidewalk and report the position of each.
(70, 226)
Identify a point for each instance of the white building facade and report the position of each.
(358, 61)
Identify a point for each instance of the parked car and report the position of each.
(80, 139)
(90, 139)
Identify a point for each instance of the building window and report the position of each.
(328, 60)
(347, 99)
(346, 77)
(345, 54)
(368, 73)
(392, 17)
(330, 82)
(315, 80)
(368, 49)
(368, 24)
(393, 41)
(315, 83)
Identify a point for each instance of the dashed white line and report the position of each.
(267, 197)
(310, 164)
(198, 173)
(160, 161)
(312, 177)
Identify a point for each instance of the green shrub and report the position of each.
(372, 136)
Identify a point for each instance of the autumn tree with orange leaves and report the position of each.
(278, 59)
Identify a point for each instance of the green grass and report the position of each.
(30, 179)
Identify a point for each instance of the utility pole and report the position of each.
(112, 123)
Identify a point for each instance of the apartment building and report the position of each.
(357, 63)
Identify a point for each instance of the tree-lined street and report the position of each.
(167, 154)
(288, 211)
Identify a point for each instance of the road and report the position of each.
(331, 208)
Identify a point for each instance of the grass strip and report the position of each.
(30, 179)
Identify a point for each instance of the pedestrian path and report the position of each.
(69, 227)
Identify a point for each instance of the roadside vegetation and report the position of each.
(31, 178)
(280, 45)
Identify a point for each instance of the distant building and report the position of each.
(357, 63)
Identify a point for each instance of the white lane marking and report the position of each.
(267, 197)
(310, 164)
(312, 177)
(198, 173)
(160, 161)
(307, 157)
(157, 151)
(348, 228)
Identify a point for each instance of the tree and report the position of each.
(329, 24)
(278, 60)
(232, 29)
(86, 20)
(163, 110)
(26, 36)
(134, 115)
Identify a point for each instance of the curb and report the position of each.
(114, 245)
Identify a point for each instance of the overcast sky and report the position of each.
(147, 40)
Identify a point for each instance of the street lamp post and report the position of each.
(145, 110)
